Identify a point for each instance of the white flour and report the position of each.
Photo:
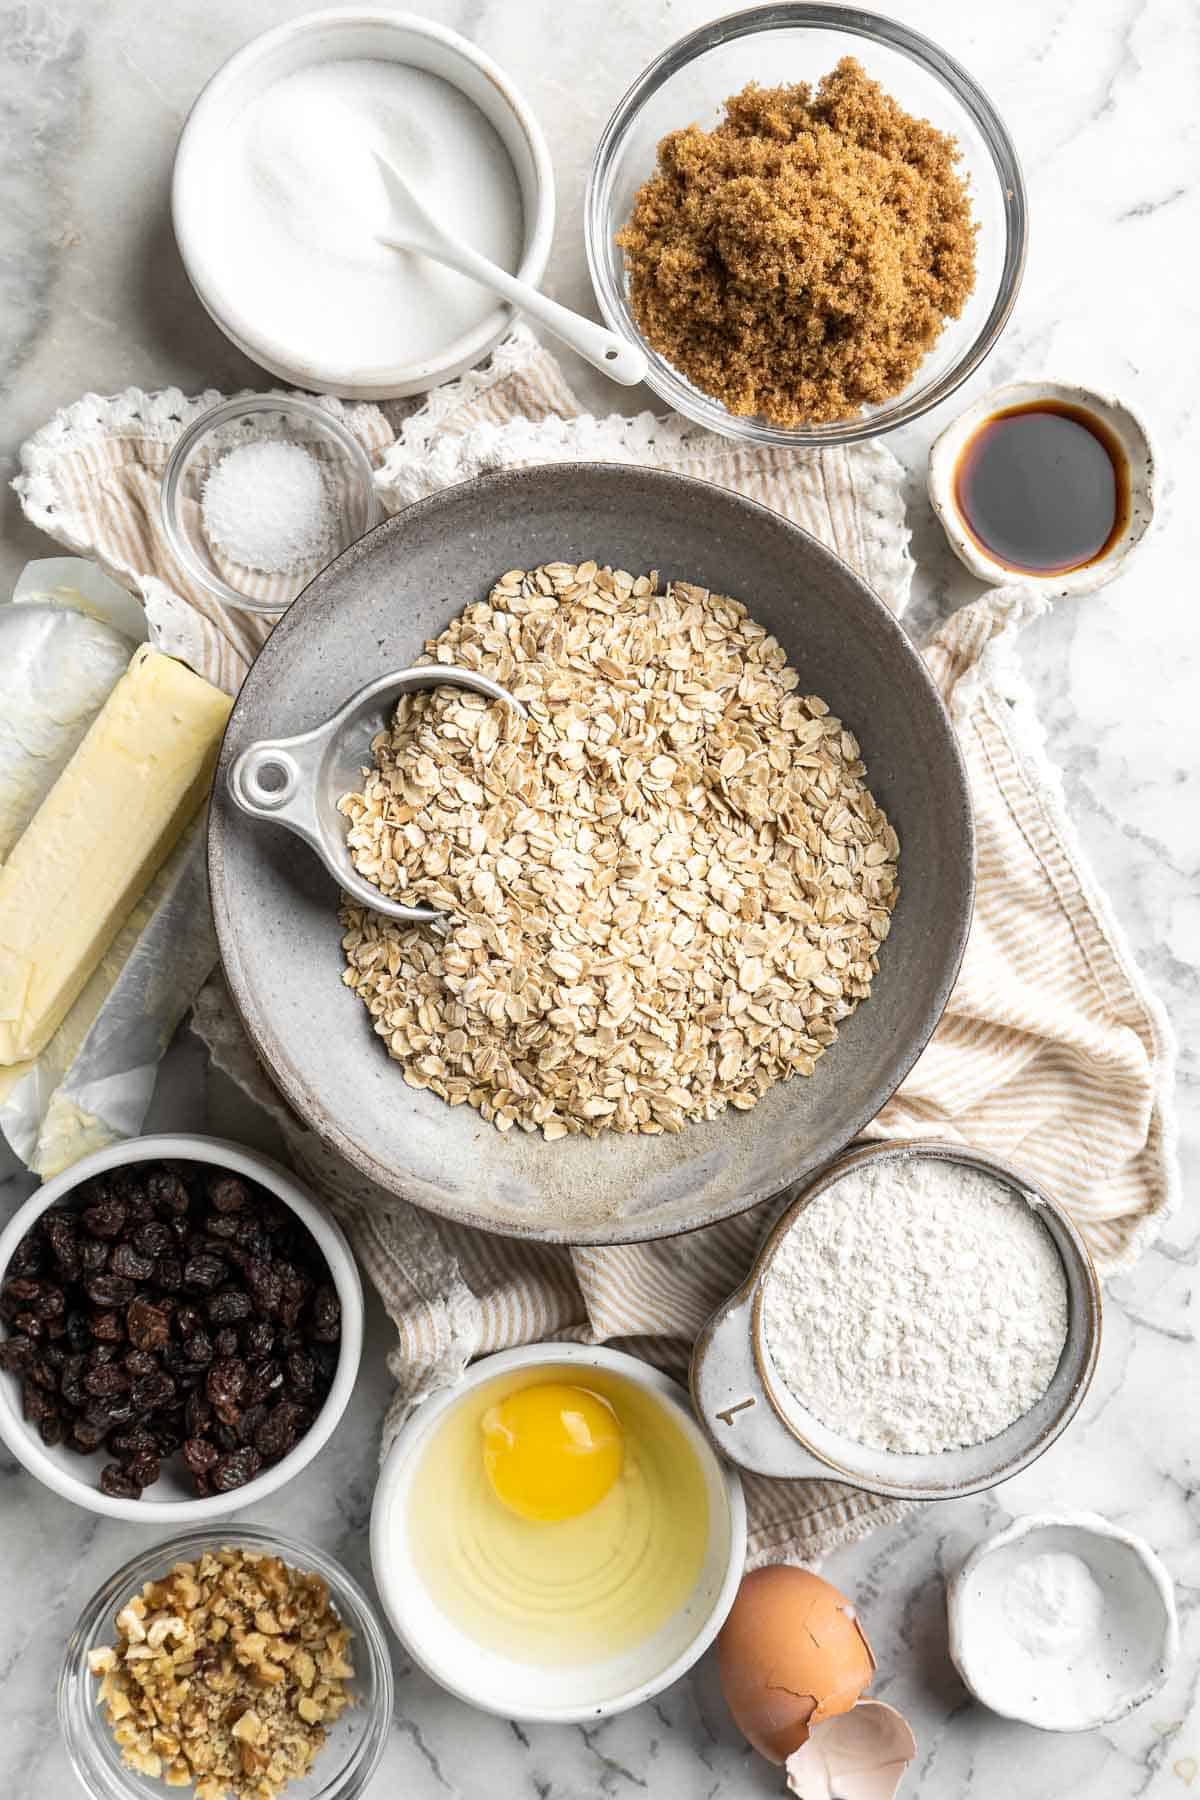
(918, 1305)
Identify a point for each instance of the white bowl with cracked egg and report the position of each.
(496, 1679)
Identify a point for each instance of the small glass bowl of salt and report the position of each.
(260, 493)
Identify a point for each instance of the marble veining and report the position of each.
(1100, 97)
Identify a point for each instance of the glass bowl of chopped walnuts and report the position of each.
(238, 1664)
(811, 219)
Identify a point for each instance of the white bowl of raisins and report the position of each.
(180, 1329)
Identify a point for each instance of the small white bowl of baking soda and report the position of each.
(1063, 1621)
(922, 1322)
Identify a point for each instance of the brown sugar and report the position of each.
(798, 261)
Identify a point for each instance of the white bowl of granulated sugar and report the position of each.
(278, 203)
(921, 1322)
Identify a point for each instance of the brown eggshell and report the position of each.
(790, 1654)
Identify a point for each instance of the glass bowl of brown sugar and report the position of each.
(838, 257)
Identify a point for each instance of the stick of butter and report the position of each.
(98, 839)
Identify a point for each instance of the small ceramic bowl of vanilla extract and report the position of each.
(1045, 484)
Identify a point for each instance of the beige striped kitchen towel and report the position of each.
(1052, 1051)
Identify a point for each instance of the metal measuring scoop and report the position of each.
(297, 781)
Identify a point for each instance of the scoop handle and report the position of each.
(612, 355)
(732, 1404)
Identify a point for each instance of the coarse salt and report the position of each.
(267, 507)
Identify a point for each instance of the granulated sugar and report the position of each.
(917, 1305)
(267, 507)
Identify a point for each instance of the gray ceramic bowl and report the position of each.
(275, 907)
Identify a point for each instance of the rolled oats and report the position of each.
(664, 889)
(225, 1674)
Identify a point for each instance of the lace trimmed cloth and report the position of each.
(1052, 1053)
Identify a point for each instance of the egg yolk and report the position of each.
(552, 1452)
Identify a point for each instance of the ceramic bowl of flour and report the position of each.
(947, 1348)
(276, 200)
(1062, 1621)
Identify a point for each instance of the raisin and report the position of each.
(168, 1193)
(136, 1441)
(188, 1319)
(229, 1306)
(150, 1391)
(223, 1436)
(227, 1342)
(301, 1370)
(50, 1429)
(197, 1414)
(88, 1434)
(203, 1274)
(168, 1274)
(198, 1348)
(42, 1373)
(31, 1325)
(108, 1328)
(109, 1290)
(258, 1338)
(168, 1433)
(234, 1470)
(280, 1430)
(107, 1380)
(145, 1468)
(251, 1419)
(70, 1382)
(149, 1326)
(226, 1382)
(62, 1235)
(79, 1331)
(16, 1354)
(266, 1379)
(118, 1484)
(127, 1261)
(253, 1238)
(101, 1353)
(200, 1455)
(140, 1362)
(28, 1258)
(16, 1296)
(227, 1193)
(265, 1284)
(153, 1239)
(93, 1255)
(105, 1219)
(325, 1316)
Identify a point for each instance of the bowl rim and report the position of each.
(225, 412)
(853, 21)
(334, 1247)
(73, 1674)
(414, 1434)
(272, 1054)
(973, 1674)
(357, 380)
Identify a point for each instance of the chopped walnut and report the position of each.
(225, 1675)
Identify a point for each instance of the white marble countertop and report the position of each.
(1100, 96)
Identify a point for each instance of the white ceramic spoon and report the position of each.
(411, 227)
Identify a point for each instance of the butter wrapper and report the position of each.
(65, 641)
